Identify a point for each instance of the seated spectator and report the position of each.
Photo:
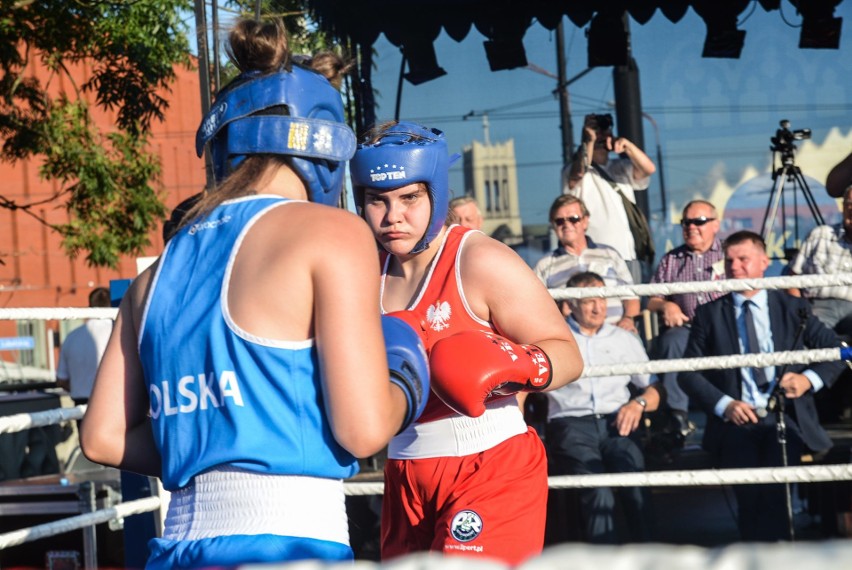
(828, 250)
(591, 422)
(578, 252)
(467, 212)
(700, 258)
(597, 180)
(742, 427)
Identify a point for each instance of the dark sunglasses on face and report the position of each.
(563, 221)
(699, 221)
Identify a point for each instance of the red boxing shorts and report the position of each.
(491, 504)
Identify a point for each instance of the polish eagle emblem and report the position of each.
(438, 315)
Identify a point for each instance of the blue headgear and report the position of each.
(404, 154)
(245, 121)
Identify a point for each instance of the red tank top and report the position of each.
(441, 306)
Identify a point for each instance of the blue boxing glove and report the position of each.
(408, 365)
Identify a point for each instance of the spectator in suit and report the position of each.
(741, 431)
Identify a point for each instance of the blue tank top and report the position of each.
(220, 396)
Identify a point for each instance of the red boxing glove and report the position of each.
(470, 366)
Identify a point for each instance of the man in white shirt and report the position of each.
(590, 422)
(596, 179)
(82, 350)
(577, 252)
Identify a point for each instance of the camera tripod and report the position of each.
(788, 172)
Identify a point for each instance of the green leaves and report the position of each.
(130, 50)
(108, 185)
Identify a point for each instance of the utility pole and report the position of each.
(203, 75)
(564, 113)
(564, 102)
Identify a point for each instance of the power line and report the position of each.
(661, 111)
(710, 154)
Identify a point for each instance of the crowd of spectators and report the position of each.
(739, 409)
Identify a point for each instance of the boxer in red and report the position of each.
(469, 477)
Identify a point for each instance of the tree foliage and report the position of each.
(105, 178)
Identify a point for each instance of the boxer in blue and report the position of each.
(249, 367)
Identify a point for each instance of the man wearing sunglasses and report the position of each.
(597, 180)
(700, 258)
(578, 252)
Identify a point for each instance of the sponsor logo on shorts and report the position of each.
(464, 547)
(466, 526)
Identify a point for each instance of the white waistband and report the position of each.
(229, 501)
(457, 435)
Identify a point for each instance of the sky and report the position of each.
(715, 116)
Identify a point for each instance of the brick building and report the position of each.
(36, 270)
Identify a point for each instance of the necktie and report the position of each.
(757, 373)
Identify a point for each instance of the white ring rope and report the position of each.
(57, 313)
(720, 285)
(695, 478)
(761, 360)
(645, 289)
(700, 477)
(21, 422)
(807, 474)
(37, 532)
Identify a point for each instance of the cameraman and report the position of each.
(596, 180)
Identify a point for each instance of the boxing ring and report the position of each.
(825, 555)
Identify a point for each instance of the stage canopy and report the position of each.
(415, 24)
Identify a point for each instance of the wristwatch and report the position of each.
(641, 401)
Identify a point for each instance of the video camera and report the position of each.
(784, 137)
